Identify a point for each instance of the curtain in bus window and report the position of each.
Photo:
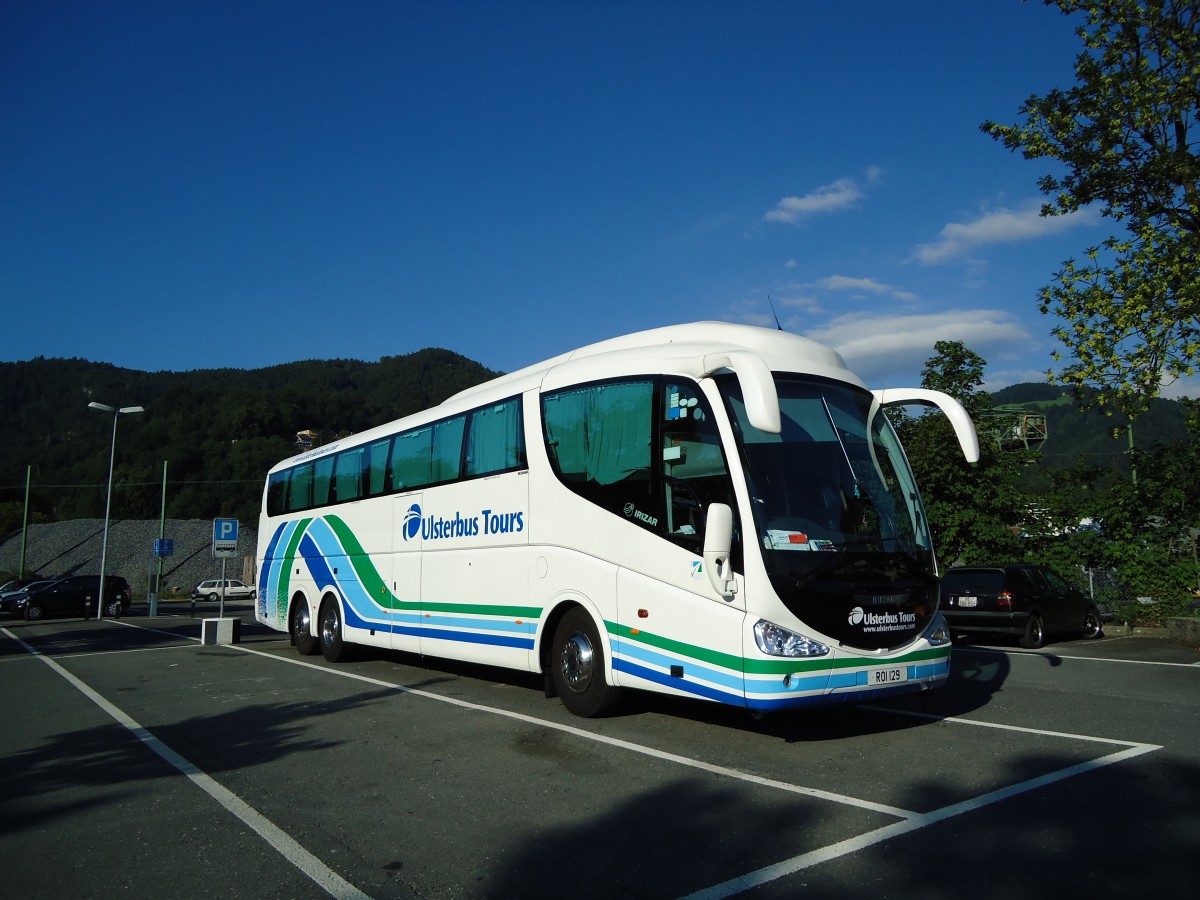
(300, 489)
(377, 459)
(493, 442)
(322, 480)
(347, 475)
(601, 433)
(447, 449)
(410, 459)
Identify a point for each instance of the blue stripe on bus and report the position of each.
(621, 664)
(469, 637)
(634, 650)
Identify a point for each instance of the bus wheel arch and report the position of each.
(330, 622)
(301, 626)
(577, 663)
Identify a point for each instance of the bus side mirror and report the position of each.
(964, 428)
(718, 541)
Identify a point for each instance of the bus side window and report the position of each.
(300, 489)
(322, 480)
(411, 457)
(598, 439)
(495, 439)
(277, 489)
(377, 467)
(348, 474)
(693, 471)
(446, 462)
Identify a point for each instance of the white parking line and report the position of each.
(598, 738)
(910, 820)
(751, 880)
(1049, 653)
(287, 847)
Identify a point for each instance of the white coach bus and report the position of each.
(708, 510)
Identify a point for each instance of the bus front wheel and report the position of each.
(577, 666)
(333, 648)
(302, 630)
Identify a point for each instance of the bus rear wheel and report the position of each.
(577, 666)
(302, 630)
(333, 648)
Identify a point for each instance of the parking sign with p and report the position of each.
(225, 538)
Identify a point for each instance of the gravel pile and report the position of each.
(73, 548)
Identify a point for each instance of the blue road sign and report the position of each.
(225, 536)
(164, 546)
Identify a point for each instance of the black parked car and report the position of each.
(1029, 602)
(75, 595)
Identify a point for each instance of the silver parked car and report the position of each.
(233, 590)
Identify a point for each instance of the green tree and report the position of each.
(1126, 134)
(973, 509)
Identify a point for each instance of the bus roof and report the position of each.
(659, 348)
(691, 349)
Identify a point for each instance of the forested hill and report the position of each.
(218, 430)
(1075, 434)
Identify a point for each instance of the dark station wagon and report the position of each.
(72, 596)
(1025, 601)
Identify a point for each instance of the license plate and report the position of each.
(968, 601)
(893, 675)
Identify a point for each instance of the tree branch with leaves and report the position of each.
(1127, 136)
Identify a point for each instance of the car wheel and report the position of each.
(213, 598)
(33, 611)
(1092, 626)
(301, 628)
(333, 648)
(112, 609)
(577, 666)
(1035, 633)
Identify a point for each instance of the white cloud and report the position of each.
(863, 286)
(1000, 226)
(888, 350)
(832, 197)
(1177, 388)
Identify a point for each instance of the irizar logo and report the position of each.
(435, 528)
(633, 512)
(875, 622)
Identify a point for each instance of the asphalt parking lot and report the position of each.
(139, 762)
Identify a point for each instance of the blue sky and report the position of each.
(192, 185)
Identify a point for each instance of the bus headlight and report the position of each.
(938, 634)
(776, 641)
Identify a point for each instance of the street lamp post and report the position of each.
(112, 452)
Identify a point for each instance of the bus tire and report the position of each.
(577, 666)
(333, 648)
(300, 625)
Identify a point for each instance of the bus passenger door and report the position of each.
(404, 612)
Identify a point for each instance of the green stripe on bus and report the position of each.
(368, 576)
(289, 557)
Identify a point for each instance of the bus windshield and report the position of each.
(835, 506)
